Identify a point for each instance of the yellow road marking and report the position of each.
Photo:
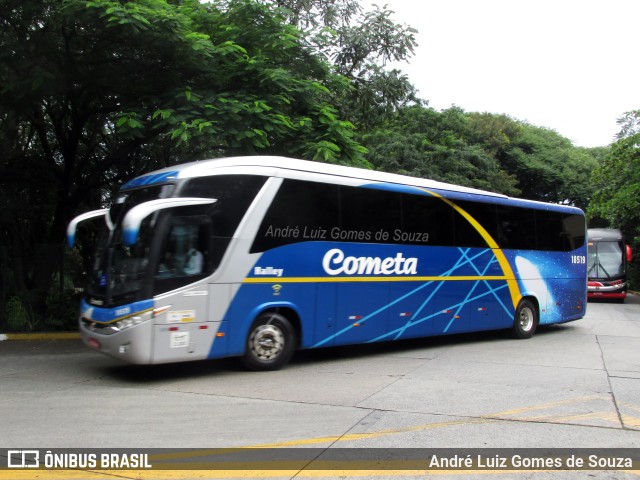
(544, 406)
(606, 416)
(631, 421)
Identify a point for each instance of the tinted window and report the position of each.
(310, 211)
(548, 228)
(574, 228)
(368, 215)
(516, 228)
(521, 228)
(234, 194)
(465, 233)
(559, 231)
(426, 220)
(301, 211)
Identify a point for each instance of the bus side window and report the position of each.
(516, 228)
(429, 216)
(310, 209)
(181, 254)
(184, 255)
(365, 211)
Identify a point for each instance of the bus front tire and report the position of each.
(270, 344)
(525, 320)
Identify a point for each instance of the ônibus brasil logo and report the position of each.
(335, 262)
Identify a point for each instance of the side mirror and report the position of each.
(73, 224)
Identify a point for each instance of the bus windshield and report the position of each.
(120, 269)
(605, 259)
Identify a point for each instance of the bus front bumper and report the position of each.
(615, 289)
(132, 345)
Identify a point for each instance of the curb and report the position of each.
(40, 336)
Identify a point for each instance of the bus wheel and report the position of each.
(526, 319)
(270, 344)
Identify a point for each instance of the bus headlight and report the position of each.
(131, 321)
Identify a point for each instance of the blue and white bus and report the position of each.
(259, 256)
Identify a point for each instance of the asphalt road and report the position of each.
(572, 386)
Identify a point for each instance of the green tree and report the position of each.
(547, 166)
(617, 183)
(94, 92)
(484, 150)
(363, 49)
(316, 15)
(359, 44)
(425, 143)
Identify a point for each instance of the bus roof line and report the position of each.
(277, 166)
(283, 164)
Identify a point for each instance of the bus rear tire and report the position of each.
(270, 344)
(525, 319)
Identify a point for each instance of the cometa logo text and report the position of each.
(335, 263)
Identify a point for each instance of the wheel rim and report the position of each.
(267, 342)
(526, 319)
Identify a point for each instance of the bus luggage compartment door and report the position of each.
(361, 313)
(183, 333)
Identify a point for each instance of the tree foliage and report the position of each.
(616, 201)
(359, 44)
(314, 15)
(483, 150)
(617, 179)
(425, 143)
(95, 92)
(548, 167)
